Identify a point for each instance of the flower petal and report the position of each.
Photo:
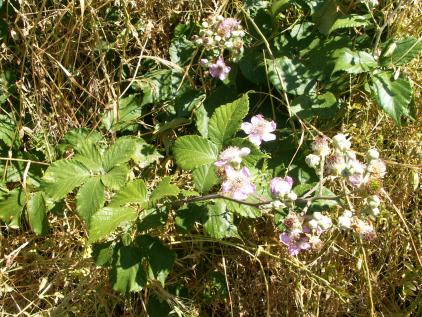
(247, 127)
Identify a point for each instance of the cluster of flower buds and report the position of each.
(236, 179)
(340, 161)
(304, 233)
(217, 35)
(347, 221)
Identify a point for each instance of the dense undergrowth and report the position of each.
(201, 158)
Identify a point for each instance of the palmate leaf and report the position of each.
(243, 210)
(62, 177)
(393, 96)
(116, 177)
(219, 224)
(127, 274)
(7, 130)
(226, 120)
(134, 192)
(37, 213)
(90, 198)
(192, 151)
(204, 178)
(160, 258)
(324, 106)
(290, 75)
(406, 50)
(11, 206)
(351, 21)
(108, 219)
(120, 152)
(89, 156)
(354, 62)
(164, 189)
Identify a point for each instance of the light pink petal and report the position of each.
(248, 188)
(285, 238)
(245, 171)
(244, 151)
(226, 187)
(293, 250)
(247, 127)
(289, 180)
(258, 119)
(239, 195)
(268, 137)
(220, 163)
(230, 172)
(255, 139)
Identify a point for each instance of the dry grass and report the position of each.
(71, 69)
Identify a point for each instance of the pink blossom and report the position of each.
(237, 183)
(232, 155)
(219, 69)
(227, 26)
(259, 129)
(280, 186)
(294, 242)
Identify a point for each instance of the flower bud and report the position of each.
(375, 212)
(372, 154)
(313, 160)
(281, 187)
(317, 215)
(320, 146)
(292, 196)
(373, 201)
(325, 223)
(341, 142)
(313, 224)
(344, 222)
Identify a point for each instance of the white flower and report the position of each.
(259, 129)
(341, 142)
(344, 222)
(232, 155)
(377, 168)
(313, 160)
(325, 223)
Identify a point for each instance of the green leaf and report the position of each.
(279, 5)
(89, 156)
(252, 66)
(127, 274)
(152, 218)
(160, 258)
(76, 138)
(354, 62)
(219, 224)
(324, 106)
(186, 217)
(120, 152)
(243, 210)
(102, 253)
(192, 151)
(62, 177)
(116, 177)
(108, 219)
(394, 96)
(145, 154)
(181, 50)
(351, 21)
(290, 75)
(130, 109)
(37, 214)
(226, 120)
(90, 198)
(11, 206)
(7, 130)
(164, 189)
(406, 50)
(134, 192)
(201, 120)
(324, 204)
(325, 13)
(204, 178)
